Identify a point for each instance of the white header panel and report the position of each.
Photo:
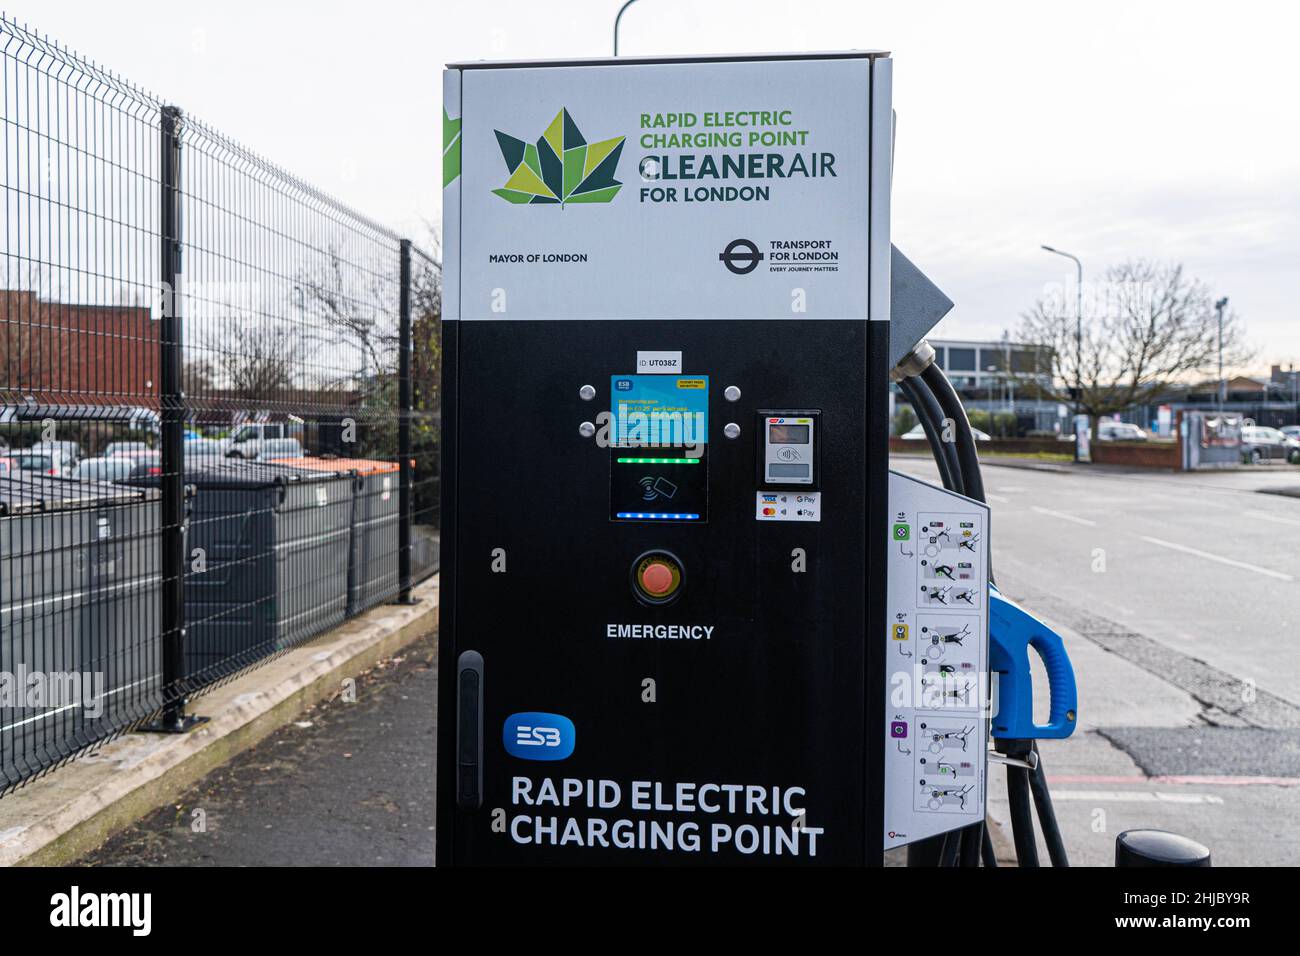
(735, 189)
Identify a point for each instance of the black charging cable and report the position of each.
(963, 443)
(930, 415)
(1047, 813)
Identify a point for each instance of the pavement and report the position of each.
(350, 782)
(58, 818)
(1175, 595)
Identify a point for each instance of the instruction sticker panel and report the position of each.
(936, 712)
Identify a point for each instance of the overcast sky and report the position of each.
(1109, 129)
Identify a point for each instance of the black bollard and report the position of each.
(1158, 848)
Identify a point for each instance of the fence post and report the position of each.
(172, 439)
(404, 401)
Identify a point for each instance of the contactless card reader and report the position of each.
(789, 448)
(788, 466)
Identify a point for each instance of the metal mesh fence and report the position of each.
(218, 409)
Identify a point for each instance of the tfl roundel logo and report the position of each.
(534, 735)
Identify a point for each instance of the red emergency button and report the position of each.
(656, 577)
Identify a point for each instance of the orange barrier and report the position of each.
(362, 466)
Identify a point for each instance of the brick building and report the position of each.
(66, 354)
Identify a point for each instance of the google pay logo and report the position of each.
(533, 735)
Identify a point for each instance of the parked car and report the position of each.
(1109, 430)
(273, 448)
(133, 463)
(129, 464)
(203, 448)
(49, 462)
(106, 468)
(917, 433)
(1120, 431)
(1260, 443)
(69, 451)
(1291, 431)
(123, 447)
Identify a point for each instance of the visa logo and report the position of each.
(534, 735)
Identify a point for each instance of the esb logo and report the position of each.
(534, 735)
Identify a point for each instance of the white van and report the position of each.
(247, 440)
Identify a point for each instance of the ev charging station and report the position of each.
(687, 614)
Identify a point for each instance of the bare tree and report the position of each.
(343, 299)
(16, 339)
(27, 357)
(1148, 326)
(426, 329)
(199, 377)
(250, 363)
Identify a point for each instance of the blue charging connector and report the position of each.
(1012, 631)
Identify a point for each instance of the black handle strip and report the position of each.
(469, 730)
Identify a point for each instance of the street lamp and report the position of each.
(1078, 343)
(1223, 382)
(618, 18)
(1009, 381)
(990, 369)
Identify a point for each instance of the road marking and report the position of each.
(1132, 796)
(1221, 780)
(1177, 780)
(1265, 516)
(1063, 516)
(1217, 557)
(1006, 501)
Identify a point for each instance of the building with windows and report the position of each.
(1273, 401)
(979, 372)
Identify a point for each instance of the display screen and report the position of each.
(788, 434)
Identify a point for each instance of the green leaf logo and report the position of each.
(450, 149)
(561, 167)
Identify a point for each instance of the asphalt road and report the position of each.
(1202, 563)
(1176, 597)
(348, 784)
